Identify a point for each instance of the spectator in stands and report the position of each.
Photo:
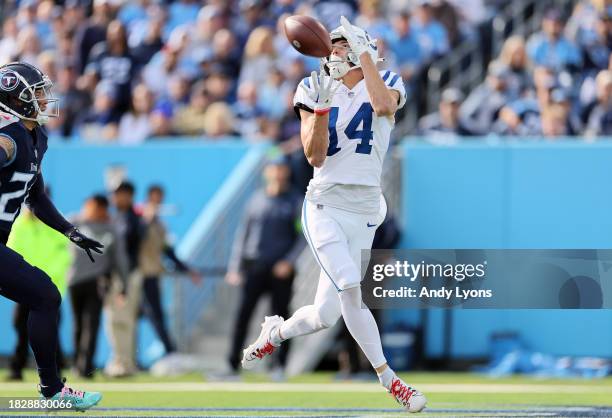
(132, 12)
(405, 47)
(161, 123)
(265, 251)
(88, 282)
(519, 118)
(554, 121)
(562, 97)
(224, 54)
(101, 121)
(550, 47)
(122, 316)
(64, 51)
(281, 7)
(73, 100)
(431, 34)
(73, 18)
(210, 20)
(445, 123)
(48, 18)
(134, 126)
(481, 108)
(259, 56)
(112, 62)
(189, 120)
(271, 95)
(294, 71)
(600, 118)
(547, 80)
(582, 23)
(8, 41)
(177, 98)
(44, 248)
(445, 13)
(596, 47)
(151, 43)
(250, 117)
(219, 85)
(329, 11)
(26, 14)
(514, 56)
(372, 19)
(170, 61)
(92, 32)
(154, 247)
(28, 45)
(219, 121)
(287, 137)
(182, 13)
(253, 14)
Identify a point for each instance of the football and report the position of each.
(308, 36)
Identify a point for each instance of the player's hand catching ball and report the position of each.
(84, 242)
(322, 91)
(358, 44)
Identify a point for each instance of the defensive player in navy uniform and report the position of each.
(26, 104)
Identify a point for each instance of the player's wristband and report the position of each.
(321, 112)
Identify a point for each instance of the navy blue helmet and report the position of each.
(25, 92)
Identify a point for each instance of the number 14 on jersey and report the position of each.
(352, 131)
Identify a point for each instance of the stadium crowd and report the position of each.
(130, 71)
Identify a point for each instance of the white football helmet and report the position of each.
(338, 67)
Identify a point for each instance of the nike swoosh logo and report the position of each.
(371, 225)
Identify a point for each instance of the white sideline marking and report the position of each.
(322, 387)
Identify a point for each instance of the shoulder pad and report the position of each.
(7, 119)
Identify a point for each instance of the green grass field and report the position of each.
(449, 394)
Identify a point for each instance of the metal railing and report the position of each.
(523, 17)
(464, 67)
(208, 246)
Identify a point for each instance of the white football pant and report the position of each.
(336, 238)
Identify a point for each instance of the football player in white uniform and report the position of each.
(347, 114)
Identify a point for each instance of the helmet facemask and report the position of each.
(341, 66)
(45, 104)
(336, 66)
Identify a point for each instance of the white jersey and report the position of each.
(358, 142)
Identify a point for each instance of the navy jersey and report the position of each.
(21, 172)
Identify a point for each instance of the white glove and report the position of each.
(321, 91)
(358, 44)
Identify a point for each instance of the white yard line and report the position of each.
(320, 387)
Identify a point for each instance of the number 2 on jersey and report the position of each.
(364, 114)
(4, 199)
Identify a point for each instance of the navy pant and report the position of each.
(19, 359)
(86, 298)
(153, 310)
(259, 280)
(32, 287)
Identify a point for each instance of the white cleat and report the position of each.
(262, 346)
(410, 398)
